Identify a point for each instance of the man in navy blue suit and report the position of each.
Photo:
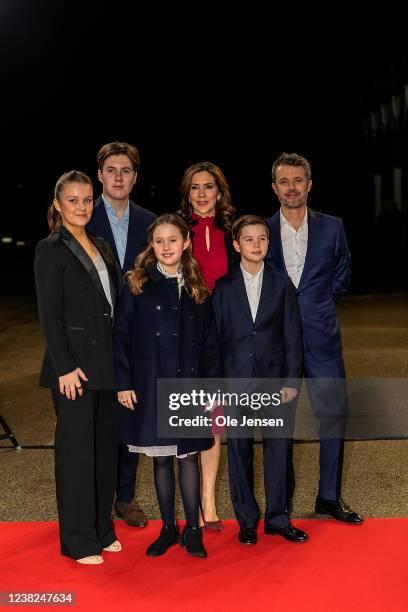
(124, 225)
(311, 247)
(260, 337)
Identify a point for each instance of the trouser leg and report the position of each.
(277, 460)
(75, 474)
(106, 453)
(241, 479)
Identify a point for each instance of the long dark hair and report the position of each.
(224, 210)
(146, 261)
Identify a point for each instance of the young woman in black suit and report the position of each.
(77, 281)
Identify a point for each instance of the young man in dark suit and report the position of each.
(260, 336)
(311, 248)
(124, 225)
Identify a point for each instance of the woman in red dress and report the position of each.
(206, 206)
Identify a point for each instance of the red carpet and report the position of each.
(342, 567)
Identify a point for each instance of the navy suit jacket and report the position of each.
(139, 221)
(325, 278)
(270, 346)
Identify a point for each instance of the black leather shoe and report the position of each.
(338, 510)
(290, 533)
(248, 535)
(169, 536)
(192, 540)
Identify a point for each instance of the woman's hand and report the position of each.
(127, 398)
(70, 383)
(287, 394)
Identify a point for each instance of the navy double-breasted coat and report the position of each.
(158, 334)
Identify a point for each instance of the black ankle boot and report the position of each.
(169, 536)
(192, 541)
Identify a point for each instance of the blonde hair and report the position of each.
(73, 176)
(146, 261)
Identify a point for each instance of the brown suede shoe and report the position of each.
(132, 513)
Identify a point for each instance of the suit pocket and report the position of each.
(74, 328)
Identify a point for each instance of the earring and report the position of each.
(218, 197)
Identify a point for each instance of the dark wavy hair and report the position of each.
(73, 176)
(146, 261)
(224, 210)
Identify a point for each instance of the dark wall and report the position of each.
(75, 80)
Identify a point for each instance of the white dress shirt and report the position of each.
(294, 246)
(253, 286)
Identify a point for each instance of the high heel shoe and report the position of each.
(211, 525)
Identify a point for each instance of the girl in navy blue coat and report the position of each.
(165, 328)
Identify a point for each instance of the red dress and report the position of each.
(213, 263)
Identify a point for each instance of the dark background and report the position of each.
(226, 91)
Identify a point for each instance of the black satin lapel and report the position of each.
(114, 289)
(266, 291)
(116, 276)
(86, 261)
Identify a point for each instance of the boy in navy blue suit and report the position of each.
(260, 335)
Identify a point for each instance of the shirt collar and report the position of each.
(249, 277)
(284, 221)
(110, 210)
